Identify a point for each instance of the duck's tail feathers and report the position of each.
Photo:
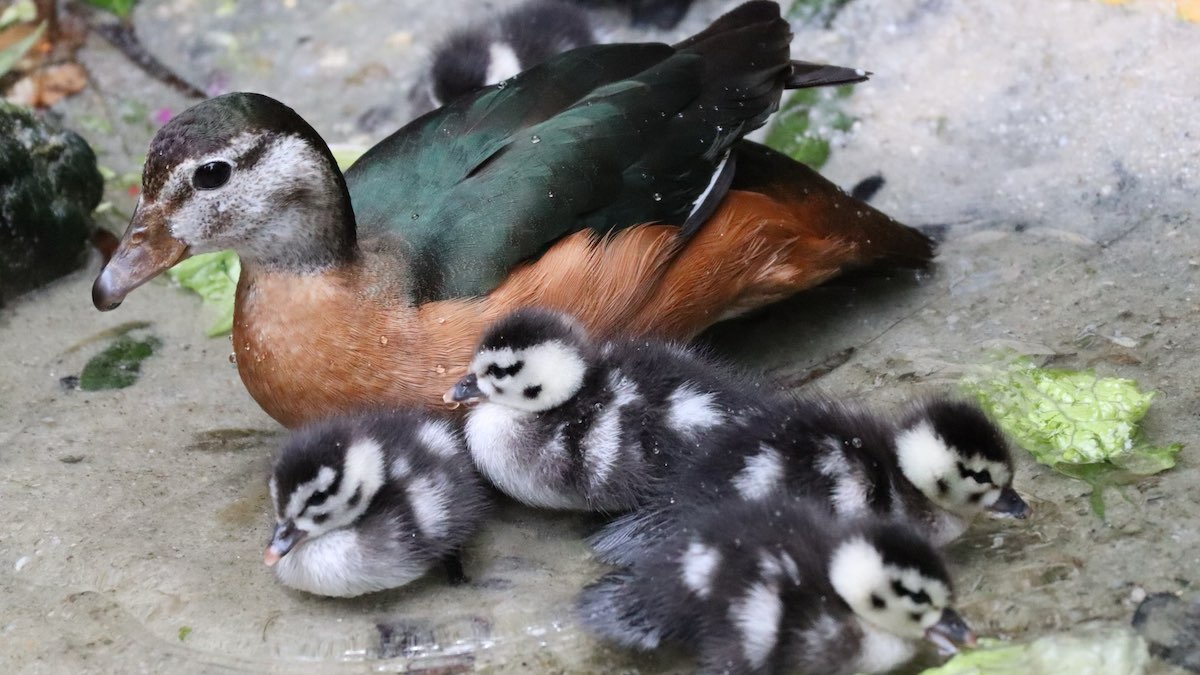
(781, 229)
(805, 75)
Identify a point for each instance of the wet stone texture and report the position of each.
(1053, 140)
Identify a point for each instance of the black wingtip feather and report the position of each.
(805, 75)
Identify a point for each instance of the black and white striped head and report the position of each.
(958, 459)
(531, 360)
(324, 479)
(894, 580)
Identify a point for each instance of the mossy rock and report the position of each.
(49, 186)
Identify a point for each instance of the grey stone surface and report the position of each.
(1054, 139)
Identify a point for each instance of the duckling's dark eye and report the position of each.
(320, 518)
(915, 616)
(211, 175)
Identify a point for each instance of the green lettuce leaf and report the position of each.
(213, 276)
(1082, 425)
(1109, 652)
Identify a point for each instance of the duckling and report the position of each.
(661, 14)
(937, 469)
(565, 423)
(484, 54)
(773, 586)
(369, 502)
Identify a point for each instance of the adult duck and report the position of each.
(601, 183)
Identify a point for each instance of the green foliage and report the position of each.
(808, 121)
(119, 365)
(184, 631)
(1075, 422)
(122, 8)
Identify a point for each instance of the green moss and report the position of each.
(119, 365)
(822, 12)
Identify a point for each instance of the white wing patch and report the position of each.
(439, 438)
(431, 505)
(699, 564)
(692, 411)
(761, 474)
(757, 617)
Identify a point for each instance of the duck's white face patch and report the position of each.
(698, 565)
(502, 62)
(901, 601)
(761, 475)
(276, 184)
(692, 411)
(361, 476)
(756, 615)
(536, 378)
(960, 484)
(881, 651)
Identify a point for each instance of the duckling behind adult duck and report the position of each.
(535, 193)
(568, 423)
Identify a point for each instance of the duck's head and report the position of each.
(894, 580)
(240, 171)
(531, 360)
(958, 459)
(323, 479)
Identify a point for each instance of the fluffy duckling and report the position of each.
(941, 466)
(775, 586)
(662, 14)
(371, 502)
(484, 54)
(565, 423)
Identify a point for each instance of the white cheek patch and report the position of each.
(761, 474)
(692, 411)
(698, 565)
(502, 62)
(756, 616)
(549, 375)
(439, 438)
(854, 570)
(924, 458)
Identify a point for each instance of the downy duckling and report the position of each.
(483, 54)
(774, 586)
(563, 422)
(937, 469)
(371, 502)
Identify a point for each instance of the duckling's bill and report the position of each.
(465, 391)
(950, 631)
(1010, 505)
(146, 250)
(285, 538)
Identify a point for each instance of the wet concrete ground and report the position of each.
(1054, 139)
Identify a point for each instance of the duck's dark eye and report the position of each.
(320, 518)
(211, 175)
